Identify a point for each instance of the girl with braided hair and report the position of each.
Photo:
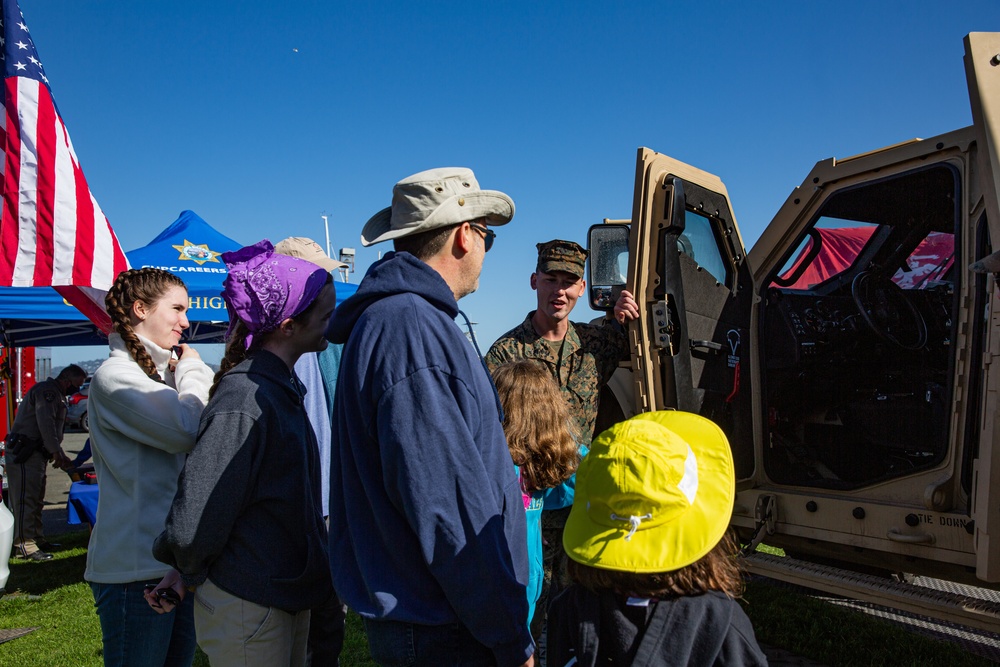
(145, 405)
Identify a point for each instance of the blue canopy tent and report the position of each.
(189, 247)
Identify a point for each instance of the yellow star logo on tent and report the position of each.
(198, 253)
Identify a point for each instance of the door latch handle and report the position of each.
(707, 345)
(905, 538)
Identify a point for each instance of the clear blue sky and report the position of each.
(261, 116)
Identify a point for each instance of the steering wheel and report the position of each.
(888, 312)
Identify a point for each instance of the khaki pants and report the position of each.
(232, 631)
(27, 491)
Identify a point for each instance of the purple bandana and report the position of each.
(263, 289)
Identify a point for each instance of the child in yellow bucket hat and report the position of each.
(655, 576)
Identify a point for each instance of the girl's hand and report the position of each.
(167, 594)
(185, 351)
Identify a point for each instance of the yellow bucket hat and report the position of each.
(654, 494)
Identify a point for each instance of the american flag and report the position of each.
(52, 231)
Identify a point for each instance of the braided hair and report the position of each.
(148, 286)
(236, 351)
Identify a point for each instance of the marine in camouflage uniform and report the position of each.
(39, 420)
(582, 362)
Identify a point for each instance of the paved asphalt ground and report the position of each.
(57, 485)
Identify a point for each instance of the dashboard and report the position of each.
(802, 327)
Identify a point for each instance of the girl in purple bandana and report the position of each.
(246, 529)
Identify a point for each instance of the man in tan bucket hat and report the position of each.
(426, 516)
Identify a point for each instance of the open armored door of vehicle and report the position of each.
(691, 280)
(877, 413)
(982, 63)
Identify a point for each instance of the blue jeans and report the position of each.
(134, 635)
(395, 644)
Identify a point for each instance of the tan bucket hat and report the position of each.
(307, 249)
(433, 199)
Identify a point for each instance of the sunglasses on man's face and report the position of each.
(488, 234)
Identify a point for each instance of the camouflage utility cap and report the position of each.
(561, 256)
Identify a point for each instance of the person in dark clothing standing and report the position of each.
(655, 577)
(246, 526)
(326, 622)
(427, 526)
(35, 439)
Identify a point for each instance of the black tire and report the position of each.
(85, 422)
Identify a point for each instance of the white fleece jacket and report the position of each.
(140, 431)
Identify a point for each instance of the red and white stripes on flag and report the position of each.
(53, 232)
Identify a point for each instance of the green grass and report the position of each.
(835, 636)
(355, 653)
(54, 597)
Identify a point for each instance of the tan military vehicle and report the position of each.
(853, 358)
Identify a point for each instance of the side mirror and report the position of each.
(608, 245)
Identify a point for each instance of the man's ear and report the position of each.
(583, 287)
(534, 281)
(462, 243)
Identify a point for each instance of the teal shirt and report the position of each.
(536, 570)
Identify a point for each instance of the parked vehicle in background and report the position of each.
(76, 409)
(851, 357)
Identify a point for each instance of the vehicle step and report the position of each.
(964, 609)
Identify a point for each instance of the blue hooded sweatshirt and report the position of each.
(427, 525)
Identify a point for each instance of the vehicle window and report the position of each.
(929, 262)
(857, 335)
(699, 243)
(840, 242)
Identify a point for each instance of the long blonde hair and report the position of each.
(537, 425)
(147, 285)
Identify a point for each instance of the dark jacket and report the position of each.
(247, 513)
(696, 630)
(426, 519)
(40, 417)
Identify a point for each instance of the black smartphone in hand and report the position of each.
(165, 594)
(169, 595)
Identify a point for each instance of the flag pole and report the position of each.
(326, 225)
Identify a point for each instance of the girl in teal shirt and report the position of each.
(537, 426)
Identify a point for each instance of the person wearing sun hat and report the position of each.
(427, 524)
(246, 525)
(655, 576)
(318, 373)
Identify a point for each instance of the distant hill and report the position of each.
(89, 366)
(92, 364)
